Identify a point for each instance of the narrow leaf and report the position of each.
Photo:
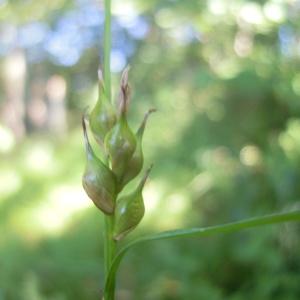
(196, 232)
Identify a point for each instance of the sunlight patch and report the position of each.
(10, 182)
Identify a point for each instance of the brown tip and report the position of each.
(124, 77)
(141, 129)
(124, 92)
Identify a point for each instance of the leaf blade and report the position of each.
(197, 232)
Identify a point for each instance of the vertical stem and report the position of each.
(107, 48)
(109, 249)
(109, 243)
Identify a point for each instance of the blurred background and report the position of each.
(225, 79)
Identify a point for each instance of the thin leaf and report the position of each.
(195, 232)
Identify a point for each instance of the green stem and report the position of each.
(109, 243)
(196, 232)
(109, 250)
(107, 48)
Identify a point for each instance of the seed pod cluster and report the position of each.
(103, 181)
(120, 141)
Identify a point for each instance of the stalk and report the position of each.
(109, 243)
(107, 47)
(109, 251)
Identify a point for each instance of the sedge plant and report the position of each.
(103, 180)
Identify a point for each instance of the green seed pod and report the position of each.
(120, 142)
(130, 210)
(102, 117)
(98, 180)
(136, 162)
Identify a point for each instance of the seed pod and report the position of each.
(98, 180)
(120, 142)
(102, 117)
(136, 162)
(130, 210)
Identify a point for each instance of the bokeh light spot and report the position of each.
(39, 158)
(250, 156)
(117, 61)
(274, 12)
(7, 140)
(10, 182)
(251, 13)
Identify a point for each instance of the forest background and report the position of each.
(225, 142)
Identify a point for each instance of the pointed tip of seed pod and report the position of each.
(84, 128)
(148, 113)
(149, 170)
(151, 110)
(86, 138)
(124, 91)
(141, 129)
(124, 77)
(144, 179)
